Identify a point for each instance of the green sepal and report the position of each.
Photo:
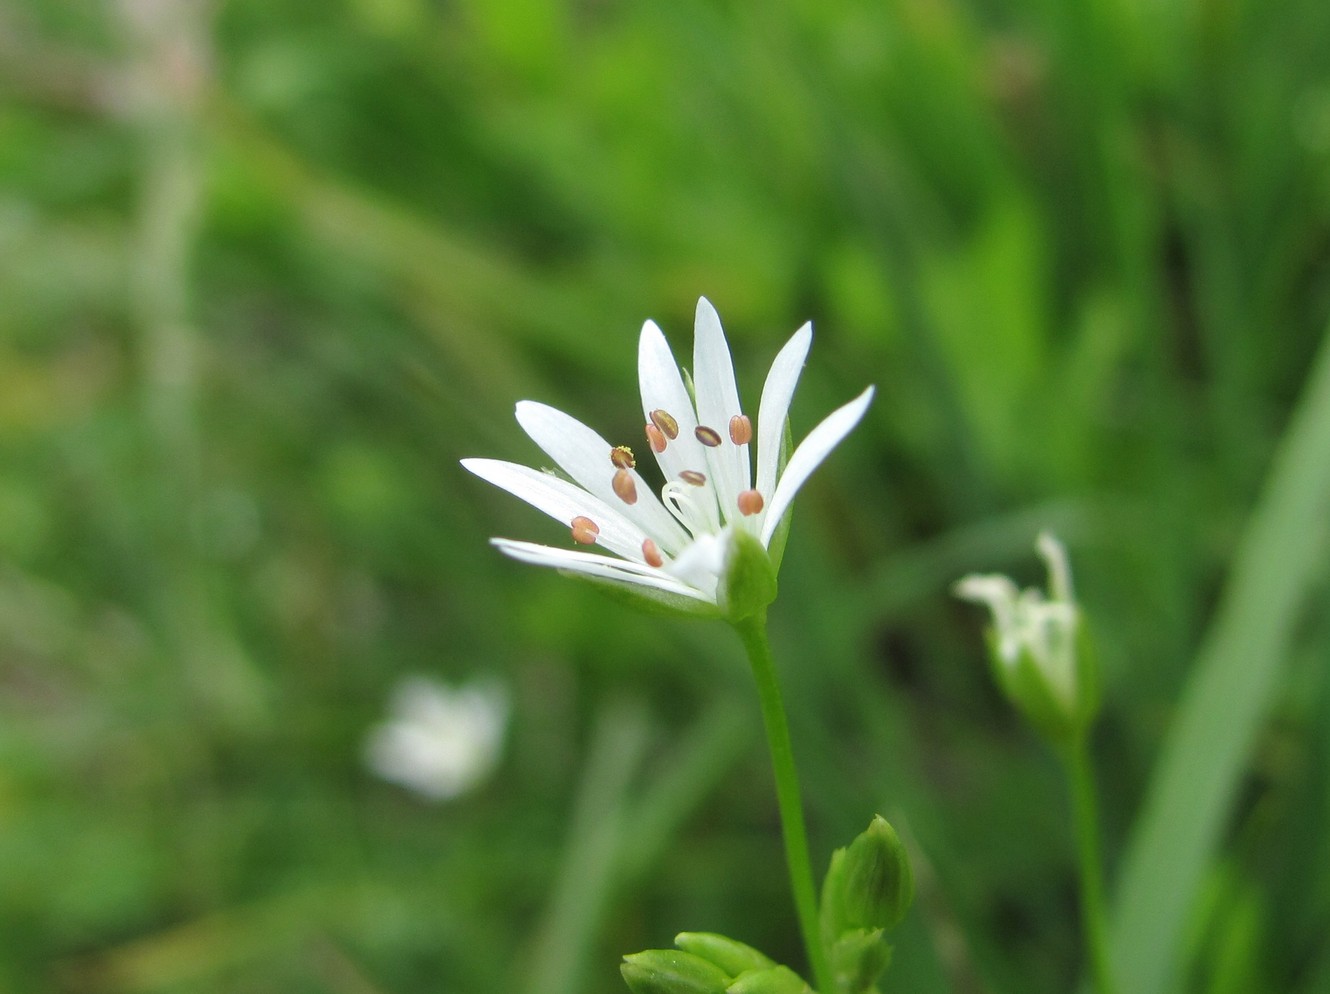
(750, 577)
(868, 885)
(858, 958)
(730, 955)
(771, 980)
(672, 971)
(648, 599)
(1028, 687)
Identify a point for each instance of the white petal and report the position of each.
(1054, 554)
(775, 406)
(809, 455)
(1002, 598)
(596, 565)
(585, 456)
(663, 389)
(717, 402)
(563, 501)
(701, 564)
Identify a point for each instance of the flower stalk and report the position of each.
(1075, 756)
(753, 632)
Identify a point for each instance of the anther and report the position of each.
(667, 425)
(622, 457)
(656, 438)
(707, 436)
(750, 503)
(741, 429)
(624, 487)
(584, 530)
(694, 477)
(651, 553)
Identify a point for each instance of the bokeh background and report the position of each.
(268, 269)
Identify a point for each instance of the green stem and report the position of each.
(753, 631)
(1094, 920)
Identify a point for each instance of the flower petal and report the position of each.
(663, 389)
(596, 565)
(777, 393)
(717, 402)
(563, 501)
(585, 456)
(809, 455)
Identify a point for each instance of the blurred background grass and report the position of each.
(268, 269)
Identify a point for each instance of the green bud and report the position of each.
(772, 980)
(729, 954)
(750, 577)
(858, 958)
(869, 885)
(671, 971)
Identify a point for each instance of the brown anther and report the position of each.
(667, 425)
(622, 457)
(750, 503)
(651, 553)
(656, 438)
(624, 487)
(585, 530)
(707, 436)
(694, 477)
(741, 429)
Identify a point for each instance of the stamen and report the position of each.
(651, 553)
(584, 530)
(750, 503)
(685, 510)
(707, 436)
(624, 487)
(741, 429)
(667, 425)
(622, 457)
(694, 477)
(656, 439)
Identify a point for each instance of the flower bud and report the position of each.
(869, 885)
(772, 980)
(672, 971)
(729, 954)
(858, 958)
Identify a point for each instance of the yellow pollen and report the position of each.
(622, 457)
(694, 477)
(584, 530)
(741, 429)
(656, 438)
(667, 425)
(651, 553)
(624, 487)
(707, 436)
(750, 503)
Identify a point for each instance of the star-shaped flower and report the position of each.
(679, 548)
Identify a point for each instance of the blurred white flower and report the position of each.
(1027, 623)
(439, 741)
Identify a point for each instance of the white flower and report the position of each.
(1025, 622)
(675, 547)
(439, 741)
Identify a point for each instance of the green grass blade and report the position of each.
(1236, 672)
